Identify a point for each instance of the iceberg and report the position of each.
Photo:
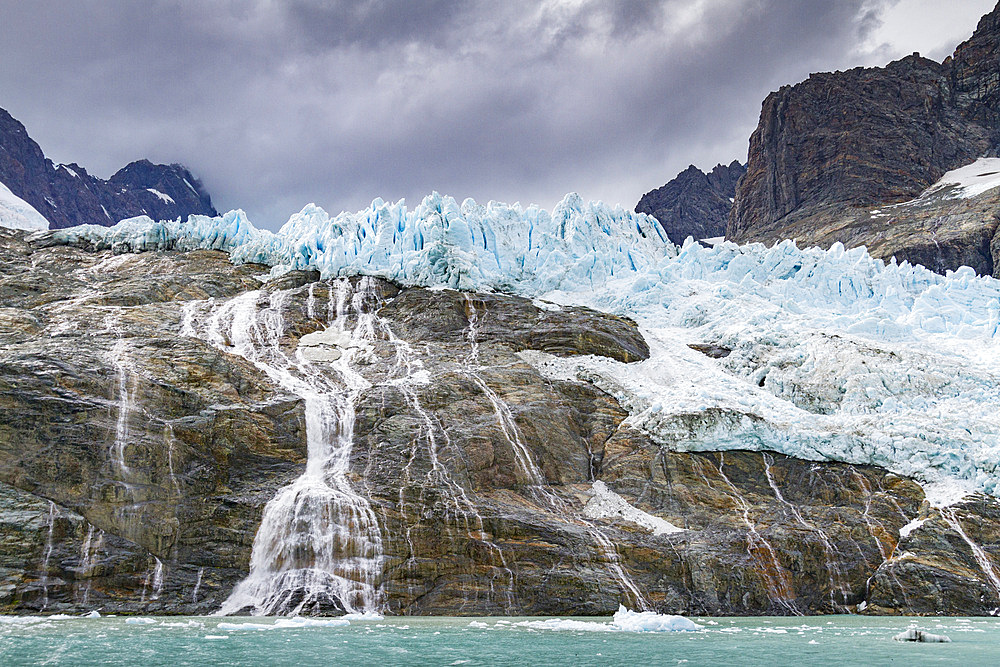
(825, 354)
(649, 621)
(624, 620)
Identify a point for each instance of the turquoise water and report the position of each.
(825, 640)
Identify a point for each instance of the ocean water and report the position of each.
(824, 640)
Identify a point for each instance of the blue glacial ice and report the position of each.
(834, 355)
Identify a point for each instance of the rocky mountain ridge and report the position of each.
(694, 203)
(829, 150)
(66, 195)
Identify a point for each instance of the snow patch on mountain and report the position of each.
(971, 180)
(165, 198)
(15, 213)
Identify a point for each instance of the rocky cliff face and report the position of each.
(170, 424)
(831, 148)
(694, 203)
(66, 195)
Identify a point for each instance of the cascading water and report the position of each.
(776, 578)
(978, 553)
(537, 485)
(836, 578)
(48, 554)
(319, 542)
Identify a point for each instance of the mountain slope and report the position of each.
(694, 203)
(66, 195)
(830, 149)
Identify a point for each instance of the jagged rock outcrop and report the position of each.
(66, 195)
(832, 148)
(694, 203)
(140, 442)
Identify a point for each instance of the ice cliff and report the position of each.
(825, 355)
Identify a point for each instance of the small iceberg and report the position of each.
(914, 635)
(625, 620)
(363, 616)
(140, 620)
(649, 621)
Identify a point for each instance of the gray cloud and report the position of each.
(276, 104)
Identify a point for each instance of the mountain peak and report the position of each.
(66, 195)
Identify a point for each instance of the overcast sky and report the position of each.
(278, 103)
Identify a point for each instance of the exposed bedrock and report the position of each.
(140, 444)
(842, 156)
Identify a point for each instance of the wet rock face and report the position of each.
(140, 444)
(833, 148)
(946, 561)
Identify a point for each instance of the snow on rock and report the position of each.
(606, 504)
(910, 527)
(15, 213)
(834, 355)
(971, 180)
(165, 198)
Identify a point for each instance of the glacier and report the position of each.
(825, 354)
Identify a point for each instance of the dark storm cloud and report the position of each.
(276, 104)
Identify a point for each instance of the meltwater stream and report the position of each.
(319, 544)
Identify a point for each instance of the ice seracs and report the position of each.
(834, 355)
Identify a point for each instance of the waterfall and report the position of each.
(834, 575)
(538, 487)
(48, 554)
(319, 541)
(776, 578)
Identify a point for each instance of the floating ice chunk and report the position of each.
(364, 616)
(23, 620)
(914, 635)
(606, 504)
(306, 622)
(245, 626)
(140, 620)
(478, 624)
(566, 624)
(624, 621)
(649, 621)
(15, 213)
(287, 623)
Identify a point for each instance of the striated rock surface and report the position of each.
(150, 411)
(66, 195)
(947, 559)
(832, 148)
(694, 203)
